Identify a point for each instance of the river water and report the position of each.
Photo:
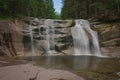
(89, 67)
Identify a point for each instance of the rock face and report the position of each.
(49, 38)
(10, 38)
(15, 37)
(109, 36)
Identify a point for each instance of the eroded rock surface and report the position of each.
(17, 39)
(109, 34)
(109, 37)
(10, 38)
(30, 72)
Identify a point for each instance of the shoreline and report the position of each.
(30, 72)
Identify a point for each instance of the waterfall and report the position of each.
(55, 33)
(32, 40)
(85, 39)
(49, 25)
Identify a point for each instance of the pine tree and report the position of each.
(22, 8)
(99, 9)
(49, 9)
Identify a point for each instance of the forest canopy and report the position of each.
(20, 8)
(100, 9)
(71, 9)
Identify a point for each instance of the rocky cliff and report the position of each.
(44, 36)
(10, 38)
(15, 37)
(109, 37)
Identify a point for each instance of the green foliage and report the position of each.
(21, 8)
(57, 15)
(100, 9)
(49, 9)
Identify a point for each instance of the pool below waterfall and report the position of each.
(89, 67)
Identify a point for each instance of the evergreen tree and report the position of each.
(33, 8)
(4, 8)
(99, 9)
(49, 9)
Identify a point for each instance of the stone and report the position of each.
(61, 38)
(10, 38)
(30, 72)
(111, 51)
(60, 34)
(109, 34)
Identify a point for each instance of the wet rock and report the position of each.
(58, 32)
(109, 34)
(109, 37)
(111, 51)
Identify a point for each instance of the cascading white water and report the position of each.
(81, 41)
(85, 39)
(50, 36)
(32, 40)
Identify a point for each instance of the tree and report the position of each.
(49, 9)
(4, 9)
(99, 9)
(21, 8)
